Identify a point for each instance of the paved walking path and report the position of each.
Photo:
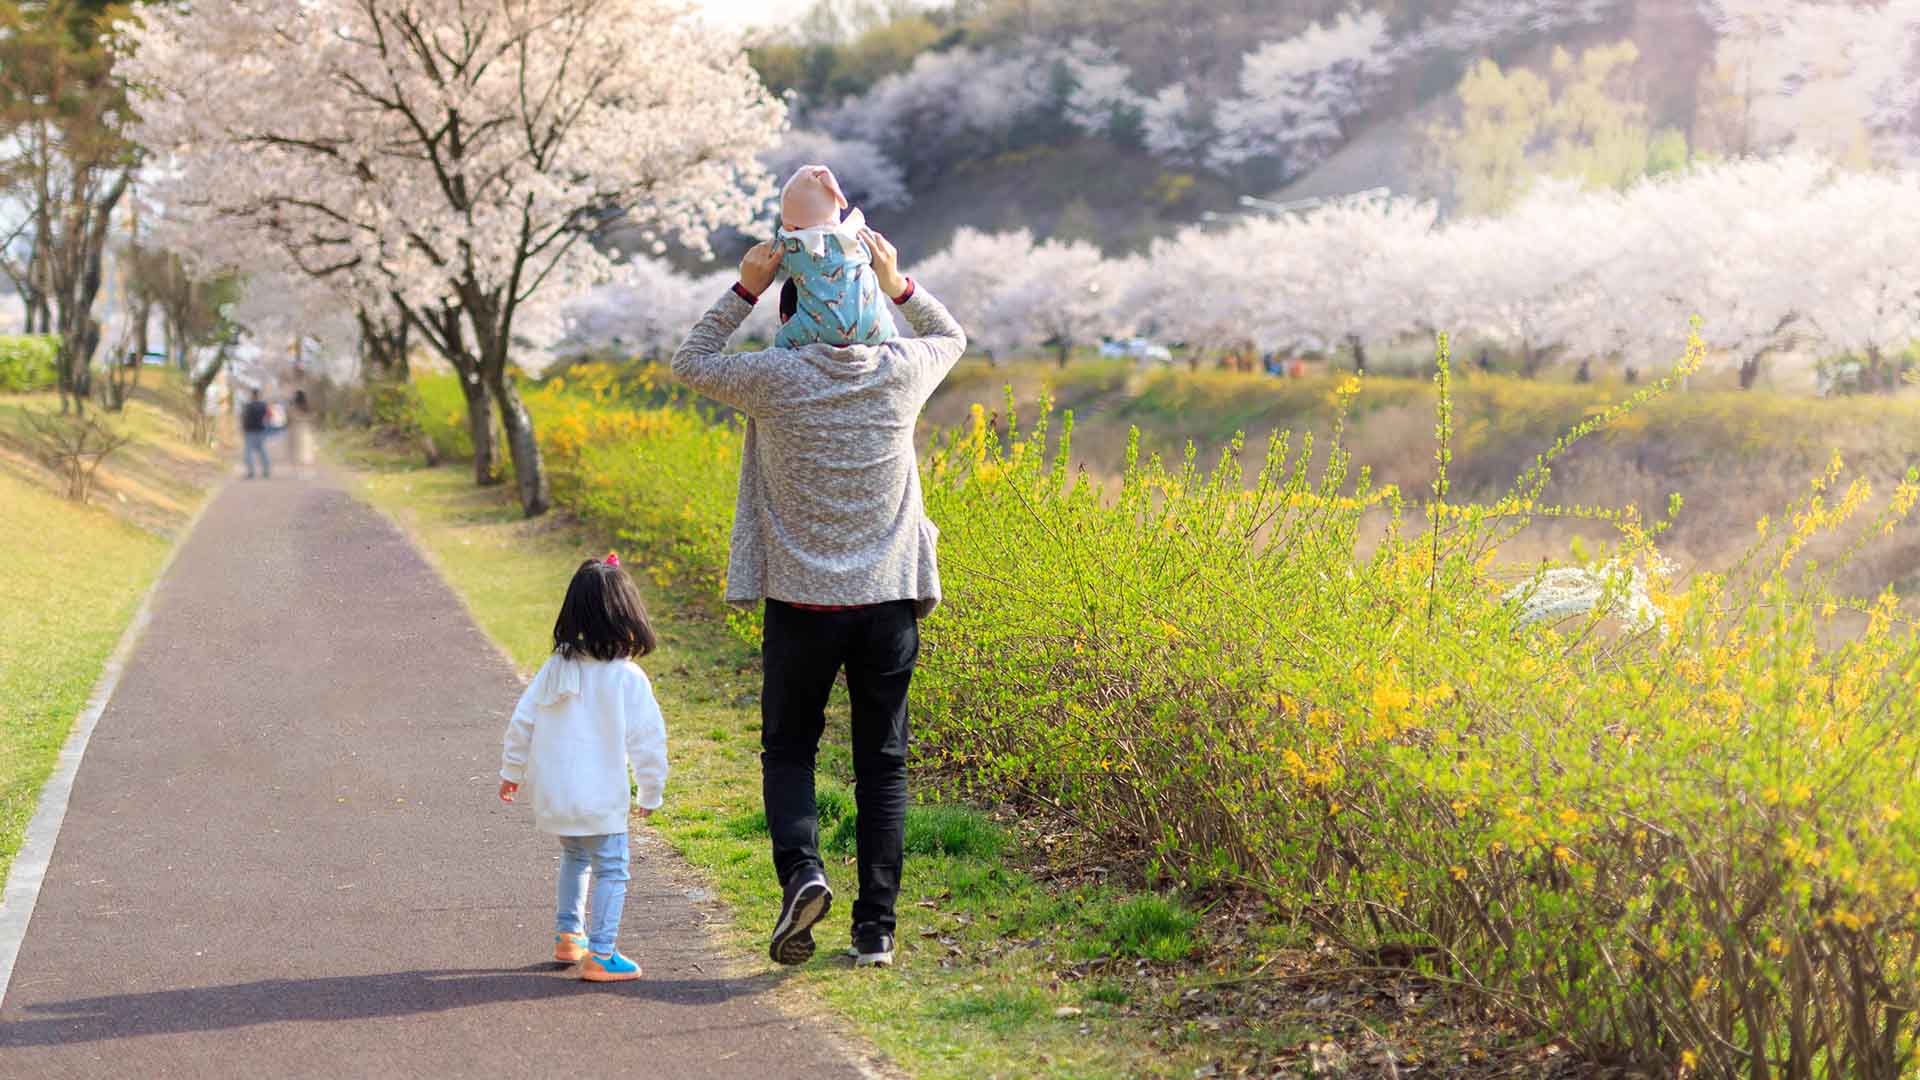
(284, 856)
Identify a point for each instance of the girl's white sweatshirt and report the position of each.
(576, 729)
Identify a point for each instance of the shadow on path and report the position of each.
(346, 997)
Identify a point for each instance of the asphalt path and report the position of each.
(283, 856)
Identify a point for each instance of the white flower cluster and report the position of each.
(1564, 592)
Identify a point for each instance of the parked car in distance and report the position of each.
(1136, 349)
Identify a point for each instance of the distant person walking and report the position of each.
(254, 431)
(830, 535)
(300, 429)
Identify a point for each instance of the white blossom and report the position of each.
(1101, 100)
(870, 179)
(445, 152)
(1295, 93)
(1564, 592)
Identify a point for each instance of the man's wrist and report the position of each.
(902, 294)
(740, 290)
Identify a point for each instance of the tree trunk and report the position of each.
(203, 382)
(1750, 370)
(1531, 360)
(75, 292)
(1584, 374)
(383, 349)
(1062, 351)
(490, 316)
(445, 328)
(486, 448)
(529, 469)
(1359, 353)
(1879, 375)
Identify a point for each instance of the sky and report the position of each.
(744, 13)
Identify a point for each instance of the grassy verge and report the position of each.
(71, 577)
(991, 958)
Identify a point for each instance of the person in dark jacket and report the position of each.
(253, 430)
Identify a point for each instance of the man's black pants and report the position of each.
(803, 651)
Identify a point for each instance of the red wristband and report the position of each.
(745, 293)
(905, 296)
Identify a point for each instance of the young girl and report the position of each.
(587, 715)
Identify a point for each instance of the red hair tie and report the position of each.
(612, 560)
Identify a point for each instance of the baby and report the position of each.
(838, 298)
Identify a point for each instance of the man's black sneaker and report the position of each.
(804, 903)
(872, 946)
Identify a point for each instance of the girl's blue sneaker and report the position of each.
(614, 968)
(569, 948)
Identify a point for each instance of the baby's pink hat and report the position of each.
(811, 197)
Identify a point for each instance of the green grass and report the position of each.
(71, 577)
(977, 987)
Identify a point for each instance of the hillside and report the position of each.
(1123, 120)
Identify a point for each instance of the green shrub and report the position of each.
(1686, 841)
(953, 830)
(1678, 826)
(440, 413)
(1147, 926)
(28, 363)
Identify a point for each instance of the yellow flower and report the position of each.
(1700, 986)
(1688, 1059)
(1459, 873)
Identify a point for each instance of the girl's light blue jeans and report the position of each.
(604, 858)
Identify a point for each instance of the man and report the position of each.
(830, 535)
(253, 431)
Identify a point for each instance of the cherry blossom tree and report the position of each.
(870, 179)
(1830, 77)
(464, 154)
(1860, 297)
(975, 277)
(1714, 243)
(1295, 93)
(1100, 100)
(1345, 285)
(1173, 126)
(646, 314)
(1523, 278)
(1213, 289)
(1067, 292)
(948, 107)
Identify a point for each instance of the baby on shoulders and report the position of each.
(838, 298)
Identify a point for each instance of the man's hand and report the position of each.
(886, 263)
(758, 268)
(507, 790)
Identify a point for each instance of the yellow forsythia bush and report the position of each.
(1675, 821)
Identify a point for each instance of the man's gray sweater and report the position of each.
(829, 509)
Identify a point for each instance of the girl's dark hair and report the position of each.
(602, 616)
(789, 300)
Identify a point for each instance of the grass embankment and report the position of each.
(71, 577)
(978, 990)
